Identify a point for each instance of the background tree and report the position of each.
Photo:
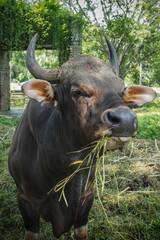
(133, 28)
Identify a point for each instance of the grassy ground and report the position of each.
(129, 205)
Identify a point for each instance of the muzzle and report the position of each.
(120, 122)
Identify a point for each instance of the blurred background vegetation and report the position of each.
(132, 26)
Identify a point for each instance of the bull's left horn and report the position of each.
(51, 75)
(113, 55)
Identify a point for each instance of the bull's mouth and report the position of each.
(122, 139)
(112, 143)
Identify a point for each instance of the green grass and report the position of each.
(128, 207)
(9, 213)
(149, 126)
(149, 120)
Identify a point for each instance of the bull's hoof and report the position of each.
(81, 238)
(32, 236)
(81, 233)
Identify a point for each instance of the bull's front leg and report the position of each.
(31, 219)
(81, 224)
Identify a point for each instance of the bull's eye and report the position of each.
(77, 94)
(121, 94)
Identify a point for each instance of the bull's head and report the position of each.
(95, 97)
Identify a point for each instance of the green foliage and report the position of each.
(48, 18)
(13, 34)
(149, 126)
(28, 19)
(8, 121)
(153, 76)
(46, 58)
(149, 120)
(132, 27)
(91, 44)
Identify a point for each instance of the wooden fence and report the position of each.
(18, 99)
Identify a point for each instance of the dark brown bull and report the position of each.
(77, 104)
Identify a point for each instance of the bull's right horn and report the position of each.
(51, 75)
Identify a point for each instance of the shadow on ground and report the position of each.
(13, 112)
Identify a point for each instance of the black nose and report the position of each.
(122, 121)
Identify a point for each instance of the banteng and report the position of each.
(70, 107)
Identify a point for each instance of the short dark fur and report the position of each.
(89, 104)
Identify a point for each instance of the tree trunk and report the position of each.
(4, 81)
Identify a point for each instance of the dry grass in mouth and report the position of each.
(98, 151)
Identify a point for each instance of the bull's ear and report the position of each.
(39, 90)
(136, 96)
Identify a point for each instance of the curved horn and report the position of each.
(51, 75)
(113, 56)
